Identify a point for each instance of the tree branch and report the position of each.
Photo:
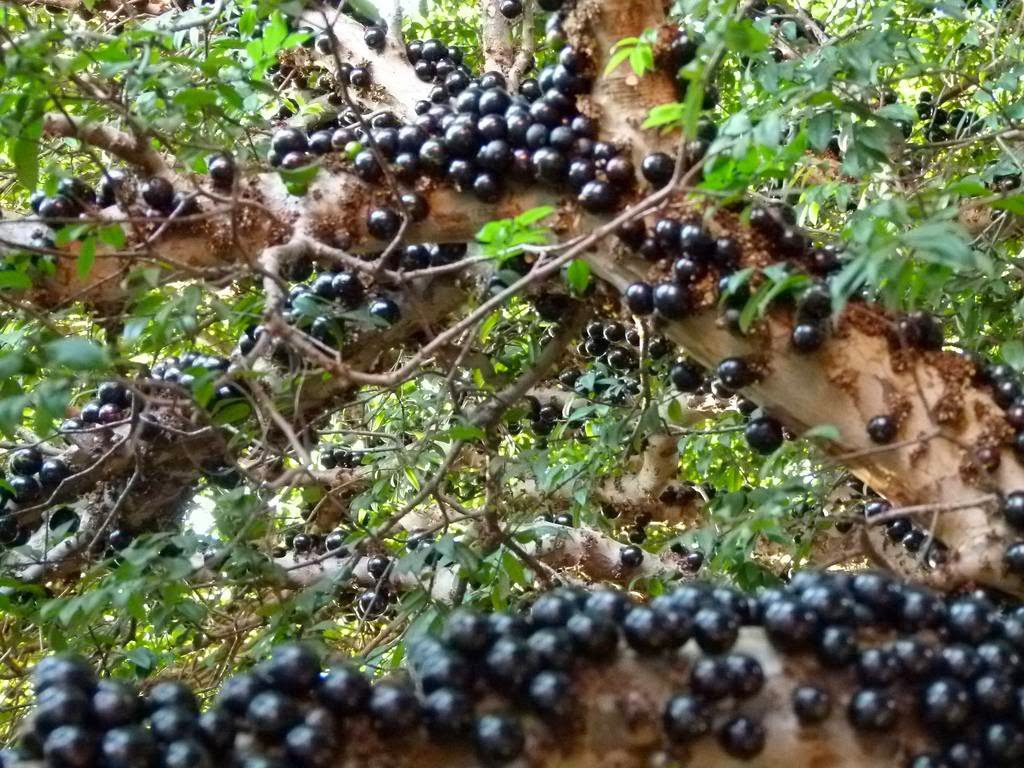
(120, 145)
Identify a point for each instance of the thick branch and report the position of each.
(496, 37)
(121, 145)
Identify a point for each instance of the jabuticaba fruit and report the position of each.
(837, 669)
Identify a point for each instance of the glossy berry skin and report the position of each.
(498, 738)
(383, 223)
(594, 637)
(764, 434)
(467, 632)
(742, 737)
(745, 673)
(657, 168)
(1014, 558)
(270, 714)
(639, 299)
(872, 709)
(789, 624)
(685, 719)
(222, 171)
(127, 747)
(172, 693)
(26, 461)
(344, 690)
(393, 707)
(511, 9)
(375, 38)
(686, 376)
(292, 668)
(385, 309)
(598, 197)
(734, 373)
(158, 193)
(63, 669)
(811, 704)
(377, 566)
(631, 556)
(447, 714)
(882, 429)
(807, 337)
(70, 746)
(671, 300)
(25, 487)
(115, 704)
(1013, 509)
(360, 77)
(715, 629)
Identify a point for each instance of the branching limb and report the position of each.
(121, 145)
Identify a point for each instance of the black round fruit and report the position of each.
(25, 487)
(872, 709)
(447, 714)
(394, 708)
(640, 301)
(882, 429)
(742, 737)
(1013, 509)
(498, 738)
(764, 434)
(631, 556)
(383, 223)
(26, 461)
(811, 704)
(807, 337)
(360, 77)
(271, 714)
(222, 171)
(734, 373)
(685, 719)
(686, 376)
(158, 193)
(375, 38)
(385, 309)
(671, 300)
(52, 472)
(598, 196)
(658, 168)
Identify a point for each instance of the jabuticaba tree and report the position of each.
(319, 321)
(834, 669)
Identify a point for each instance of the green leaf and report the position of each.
(825, 432)
(968, 187)
(297, 180)
(1012, 353)
(666, 116)
(675, 412)
(1014, 204)
(577, 275)
(14, 279)
(533, 215)
(898, 113)
(143, 659)
(86, 257)
(466, 432)
(25, 154)
(112, 235)
(617, 58)
(819, 130)
(742, 37)
(78, 354)
(232, 412)
(943, 242)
